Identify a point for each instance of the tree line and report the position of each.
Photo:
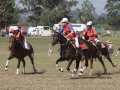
(48, 12)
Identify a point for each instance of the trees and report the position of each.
(48, 12)
(8, 13)
(86, 12)
(113, 12)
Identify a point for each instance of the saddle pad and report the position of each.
(83, 46)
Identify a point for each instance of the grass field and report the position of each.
(48, 77)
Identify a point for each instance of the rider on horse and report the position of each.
(19, 36)
(70, 34)
(92, 35)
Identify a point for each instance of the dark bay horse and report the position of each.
(18, 51)
(104, 52)
(68, 53)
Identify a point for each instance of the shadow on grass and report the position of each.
(110, 73)
(98, 75)
(32, 73)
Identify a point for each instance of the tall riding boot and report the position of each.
(99, 49)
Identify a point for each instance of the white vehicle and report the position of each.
(33, 33)
(76, 26)
(79, 27)
(56, 27)
(43, 30)
(31, 30)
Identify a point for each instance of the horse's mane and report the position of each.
(84, 41)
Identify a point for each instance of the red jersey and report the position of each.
(67, 28)
(18, 34)
(90, 33)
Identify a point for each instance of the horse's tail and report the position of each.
(31, 50)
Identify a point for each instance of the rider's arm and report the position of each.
(18, 35)
(84, 32)
(94, 32)
(61, 30)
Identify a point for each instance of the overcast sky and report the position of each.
(98, 4)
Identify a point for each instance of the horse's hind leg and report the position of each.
(32, 61)
(107, 56)
(105, 70)
(113, 64)
(7, 62)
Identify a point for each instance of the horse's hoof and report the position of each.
(81, 71)
(17, 73)
(6, 69)
(115, 65)
(90, 74)
(80, 74)
(73, 75)
(61, 70)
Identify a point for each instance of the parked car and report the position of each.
(33, 33)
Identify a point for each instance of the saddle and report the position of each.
(82, 45)
(28, 45)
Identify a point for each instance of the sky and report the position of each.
(98, 4)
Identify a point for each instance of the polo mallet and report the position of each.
(49, 51)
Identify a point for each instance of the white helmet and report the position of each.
(64, 20)
(15, 28)
(89, 23)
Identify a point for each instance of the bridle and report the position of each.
(58, 40)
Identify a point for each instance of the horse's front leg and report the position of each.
(76, 69)
(86, 65)
(18, 66)
(57, 66)
(68, 67)
(7, 62)
(23, 71)
(91, 65)
(80, 67)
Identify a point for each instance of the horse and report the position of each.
(17, 50)
(68, 52)
(104, 52)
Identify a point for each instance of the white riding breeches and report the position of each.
(97, 40)
(25, 43)
(77, 42)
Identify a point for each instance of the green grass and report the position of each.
(48, 77)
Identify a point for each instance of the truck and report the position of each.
(39, 31)
(43, 30)
(32, 31)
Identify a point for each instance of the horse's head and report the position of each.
(12, 42)
(55, 37)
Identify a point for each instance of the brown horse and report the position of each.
(104, 52)
(18, 51)
(68, 52)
